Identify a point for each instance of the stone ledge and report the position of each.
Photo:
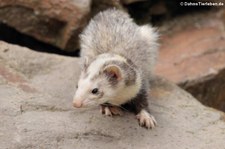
(43, 119)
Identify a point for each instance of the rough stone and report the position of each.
(57, 22)
(193, 56)
(131, 1)
(45, 118)
(100, 5)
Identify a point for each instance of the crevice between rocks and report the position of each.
(210, 91)
(10, 35)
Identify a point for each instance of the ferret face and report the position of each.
(103, 81)
(93, 91)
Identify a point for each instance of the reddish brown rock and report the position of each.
(193, 56)
(57, 22)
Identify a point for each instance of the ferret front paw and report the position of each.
(146, 119)
(110, 110)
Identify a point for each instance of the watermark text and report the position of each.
(216, 4)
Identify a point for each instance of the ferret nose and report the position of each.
(77, 104)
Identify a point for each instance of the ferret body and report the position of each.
(117, 61)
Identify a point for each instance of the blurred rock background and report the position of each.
(192, 52)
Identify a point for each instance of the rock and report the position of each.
(223, 17)
(100, 5)
(159, 8)
(193, 56)
(44, 118)
(57, 22)
(131, 1)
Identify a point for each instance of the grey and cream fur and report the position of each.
(117, 61)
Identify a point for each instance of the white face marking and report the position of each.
(116, 96)
(83, 93)
(84, 85)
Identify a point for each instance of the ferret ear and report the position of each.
(84, 63)
(113, 72)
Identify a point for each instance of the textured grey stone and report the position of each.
(44, 117)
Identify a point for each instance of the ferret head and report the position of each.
(107, 79)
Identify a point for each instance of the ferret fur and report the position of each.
(113, 39)
(113, 31)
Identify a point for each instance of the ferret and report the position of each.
(117, 58)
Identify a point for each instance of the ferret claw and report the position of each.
(146, 119)
(110, 110)
(116, 111)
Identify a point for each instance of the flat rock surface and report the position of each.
(36, 111)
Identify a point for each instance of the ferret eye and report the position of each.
(95, 91)
(77, 86)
